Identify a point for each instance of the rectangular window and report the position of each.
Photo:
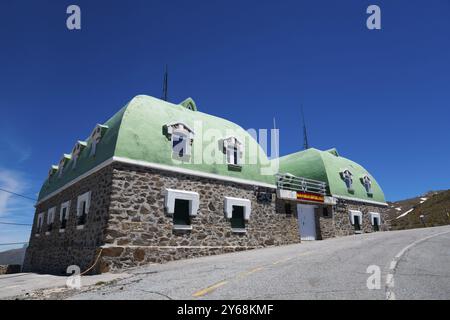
(237, 218)
(50, 219)
(357, 223)
(64, 215)
(40, 222)
(325, 211)
(181, 214)
(84, 202)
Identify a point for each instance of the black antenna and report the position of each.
(165, 83)
(305, 134)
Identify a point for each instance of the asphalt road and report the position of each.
(413, 264)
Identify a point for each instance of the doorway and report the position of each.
(306, 222)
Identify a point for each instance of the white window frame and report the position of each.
(76, 151)
(352, 214)
(170, 195)
(363, 180)
(51, 215)
(50, 218)
(62, 163)
(82, 198)
(231, 144)
(229, 202)
(344, 177)
(95, 137)
(374, 215)
(180, 129)
(40, 223)
(64, 205)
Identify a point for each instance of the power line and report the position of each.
(16, 224)
(12, 243)
(18, 194)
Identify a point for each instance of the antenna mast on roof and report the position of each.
(305, 134)
(165, 83)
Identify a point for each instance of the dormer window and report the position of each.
(66, 158)
(181, 137)
(97, 135)
(52, 171)
(233, 149)
(367, 182)
(347, 176)
(79, 146)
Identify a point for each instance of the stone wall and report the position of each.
(338, 224)
(54, 252)
(139, 231)
(10, 268)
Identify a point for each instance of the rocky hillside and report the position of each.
(429, 210)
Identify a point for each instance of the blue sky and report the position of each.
(380, 97)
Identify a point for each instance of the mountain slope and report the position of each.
(14, 256)
(434, 207)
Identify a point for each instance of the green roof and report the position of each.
(327, 166)
(136, 132)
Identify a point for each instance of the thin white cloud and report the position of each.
(11, 181)
(14, 208)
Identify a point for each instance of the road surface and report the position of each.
(413, 264)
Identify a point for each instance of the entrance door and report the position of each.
(306, 222)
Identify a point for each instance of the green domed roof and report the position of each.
(137, 133)
(327, 166)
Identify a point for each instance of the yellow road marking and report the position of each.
(209, 289)
(254, 270)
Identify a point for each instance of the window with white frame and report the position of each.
(356, 220)
(233, 149)
(76, 151)
(64, 215)
(238, 211)
(367, 183)
(83, 204)
(181, 137)
(347, 176)
(181, 206)
(95, 137)
(375, 220)
(66, 158)
(40, 223)
(50, 219)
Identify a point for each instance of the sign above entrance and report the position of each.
(310, 197)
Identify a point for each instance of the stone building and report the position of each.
(348, 200)
(159, 182)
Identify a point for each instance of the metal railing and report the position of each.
(288, 181)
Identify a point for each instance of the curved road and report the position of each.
(414, 264)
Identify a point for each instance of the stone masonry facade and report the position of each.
(139, 230)
(55, 251)
(127, 224)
